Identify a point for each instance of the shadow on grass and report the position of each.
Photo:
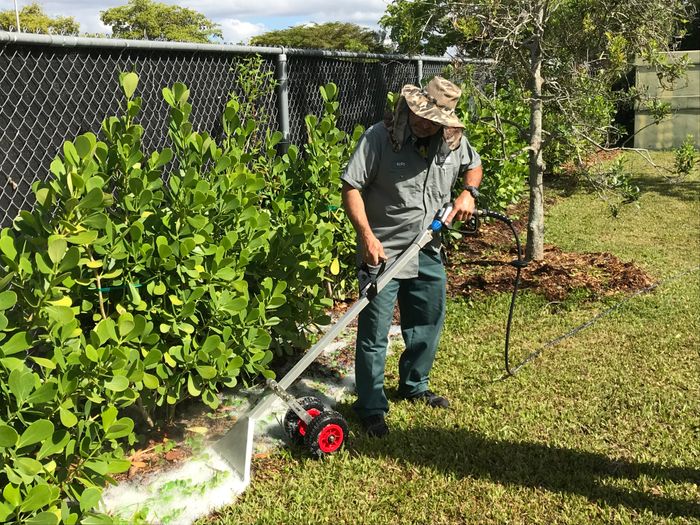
(464, 453)
(563, 185)
(683, 190)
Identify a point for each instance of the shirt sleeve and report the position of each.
(364, 163)
(470, 159)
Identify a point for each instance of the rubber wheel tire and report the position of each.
(294, 427)
(326, 433)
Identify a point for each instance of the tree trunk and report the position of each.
(534, 249)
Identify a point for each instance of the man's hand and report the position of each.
(372, 250)
(463, 208)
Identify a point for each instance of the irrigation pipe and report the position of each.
(595, 319)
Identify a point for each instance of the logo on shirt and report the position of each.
(400, 164)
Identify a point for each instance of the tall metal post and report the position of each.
(283, 100)
(420, 72)
(19, 29)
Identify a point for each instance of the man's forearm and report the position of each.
(464, 205)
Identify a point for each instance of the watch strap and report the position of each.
(473, 190)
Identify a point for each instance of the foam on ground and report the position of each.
(205, 482)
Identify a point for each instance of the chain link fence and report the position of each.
(363, 86)
(55, 88)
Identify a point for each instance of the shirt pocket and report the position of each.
(444, 180)
(406, 184)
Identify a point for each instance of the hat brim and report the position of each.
(424, 107)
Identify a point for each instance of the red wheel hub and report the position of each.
(330, 438)
(313, 412)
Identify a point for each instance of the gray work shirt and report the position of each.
(402, 190)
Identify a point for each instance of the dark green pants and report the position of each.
(422, 307)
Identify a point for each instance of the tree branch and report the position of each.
(642, 152)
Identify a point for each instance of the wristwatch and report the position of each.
(473, 190)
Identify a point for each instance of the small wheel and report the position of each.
(294, 427)
(326, 433)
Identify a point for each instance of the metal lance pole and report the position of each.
(17, 17)
(420, 72)
(283, 100)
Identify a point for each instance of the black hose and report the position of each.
(518, 264)
(516, 284)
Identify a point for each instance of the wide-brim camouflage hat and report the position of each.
(437, 102)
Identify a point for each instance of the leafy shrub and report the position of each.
(326, 154)
(685, 157)
(593, 111)
(496, 128)
(311, 240)
(143, 280)
(142, 298)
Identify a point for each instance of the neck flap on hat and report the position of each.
(397, 125)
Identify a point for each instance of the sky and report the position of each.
(239, 20)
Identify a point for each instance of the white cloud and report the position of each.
(237, 31)
(337, 10)
(239, 19)
(93, 24)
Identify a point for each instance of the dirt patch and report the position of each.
(162, 448)
(482, 263)
(555, 277)
(159, 454)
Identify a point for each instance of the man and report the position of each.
(401, 173)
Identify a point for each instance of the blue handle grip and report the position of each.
(436, 226)
(439, 220)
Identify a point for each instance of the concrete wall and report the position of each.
(684, 99)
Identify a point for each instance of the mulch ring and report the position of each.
(480, 263)
(555, 277)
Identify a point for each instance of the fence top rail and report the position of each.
(119, 43)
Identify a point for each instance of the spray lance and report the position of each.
(307, 421)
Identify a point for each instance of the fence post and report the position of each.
(19, 28)
(420, 72)
(283, 100)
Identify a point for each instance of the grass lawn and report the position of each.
(602, 428)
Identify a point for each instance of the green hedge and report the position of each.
(496, 127)
(141, 280)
